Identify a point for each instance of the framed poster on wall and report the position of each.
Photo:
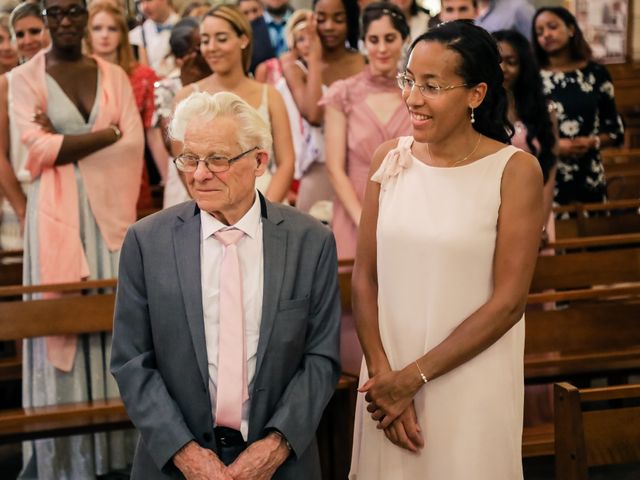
(605, 27)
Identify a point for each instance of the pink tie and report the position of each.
(232, 363)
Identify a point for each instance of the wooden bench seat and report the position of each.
(538, 440)
(59, 420)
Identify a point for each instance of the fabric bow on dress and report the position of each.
(396, 160)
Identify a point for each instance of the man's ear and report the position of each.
(262, 158)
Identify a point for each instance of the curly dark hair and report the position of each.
(579, 49)
(530, 102)
(480, 62)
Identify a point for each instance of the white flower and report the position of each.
(558, 108)
(607, 88)
(586, 85)
(570, 128)
(547, 86)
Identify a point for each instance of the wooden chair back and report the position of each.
(608, 432)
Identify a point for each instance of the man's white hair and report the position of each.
(252, 131)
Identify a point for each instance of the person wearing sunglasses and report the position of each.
(447, 245)
(30, 34)
(84, 142)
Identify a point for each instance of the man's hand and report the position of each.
(197, 463)
(261, 459)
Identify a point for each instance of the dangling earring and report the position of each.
(473, 117)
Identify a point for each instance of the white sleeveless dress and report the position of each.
(436, 239)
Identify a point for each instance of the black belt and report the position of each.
(228, 437)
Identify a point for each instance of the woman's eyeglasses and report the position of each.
(430, 89)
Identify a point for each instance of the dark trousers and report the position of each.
(230, 444)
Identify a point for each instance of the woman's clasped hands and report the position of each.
(389, 397)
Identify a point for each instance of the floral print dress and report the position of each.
(585, 106)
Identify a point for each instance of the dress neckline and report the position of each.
(91, 119)
(458, 167)
(379, 81)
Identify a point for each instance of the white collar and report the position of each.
(248, 224)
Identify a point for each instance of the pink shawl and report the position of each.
(111, 178)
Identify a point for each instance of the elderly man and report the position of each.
(226, 335)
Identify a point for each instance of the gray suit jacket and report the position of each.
(159, 357)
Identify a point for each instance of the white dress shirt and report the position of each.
(157, 43)
(251, 269)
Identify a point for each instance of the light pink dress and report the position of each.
(436, 238)
(365, 133)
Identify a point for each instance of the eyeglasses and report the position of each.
(73, 13)
(216, 164)
(430, 90)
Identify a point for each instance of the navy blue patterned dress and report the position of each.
(585, 106)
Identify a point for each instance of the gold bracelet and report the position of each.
(424, 379)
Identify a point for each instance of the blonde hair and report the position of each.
(240, 24)
(125, 53)
(297, 21)
(252, 130)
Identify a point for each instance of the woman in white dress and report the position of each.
(448, 240)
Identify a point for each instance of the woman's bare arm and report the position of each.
(335, 135)
(519, 225)
(282, 148)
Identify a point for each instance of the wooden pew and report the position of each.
(605, 434)
(626, 78)
(564, 245)
(94, 313)
(10, 267)
(64, 315)
(622, 171)
(590, 219)
(593, 338)
(549, 351)
(586, 269)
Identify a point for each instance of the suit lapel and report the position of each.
(186, 242)
(274, 240)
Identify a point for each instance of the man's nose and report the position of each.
(202, 172)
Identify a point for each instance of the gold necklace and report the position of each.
(458, 162)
